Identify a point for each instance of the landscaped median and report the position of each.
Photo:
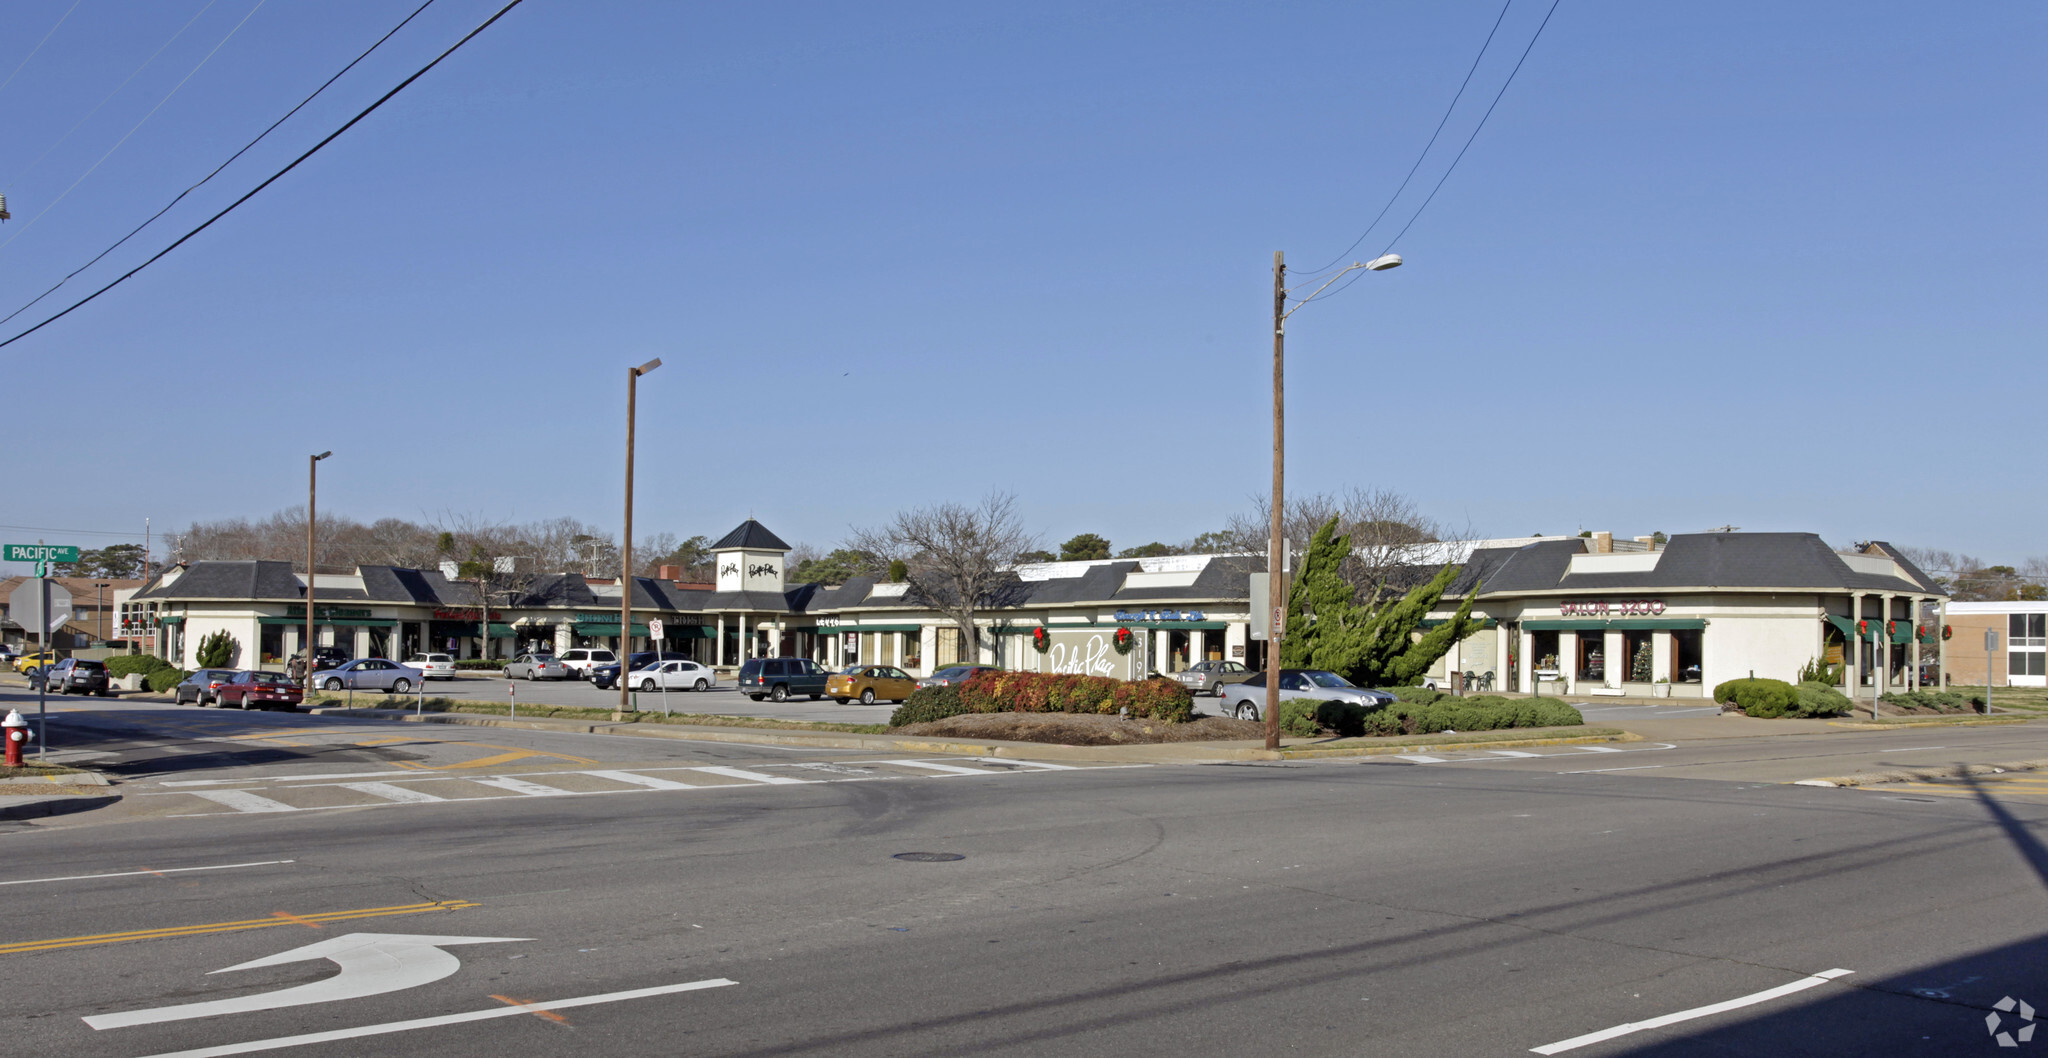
(466, 706)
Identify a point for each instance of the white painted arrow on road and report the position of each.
(371, 964)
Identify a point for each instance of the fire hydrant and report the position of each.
(16, 730)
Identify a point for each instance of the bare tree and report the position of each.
(1388, 532)
(957, 557)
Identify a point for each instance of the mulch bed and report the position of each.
(1083, 729)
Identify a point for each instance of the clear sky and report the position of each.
(1764, 264)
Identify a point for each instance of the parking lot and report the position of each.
(723, 699)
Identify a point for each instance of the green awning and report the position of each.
(866, 628)
(1848, 628)
(499, 631)
(1178, 626)
(338, 622)
(171, 619)
(1484, 622)
(596, 628)
(1619, 624)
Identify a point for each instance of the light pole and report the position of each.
(312, 520)
(626, 549)
(99, 603)
(1276, 585)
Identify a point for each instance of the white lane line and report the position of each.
(1506, 752)
(1764, 996)
(521, 786)
(1599, 749)
(1419, 758)
(281, 1042)
(167, 870)
(392, 793)
(1636, 767)
(949, 769)
(243, 801)
(385, 774)
(648, 781)
(1052, 767)
(754, 776)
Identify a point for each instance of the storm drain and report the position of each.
(929, 857)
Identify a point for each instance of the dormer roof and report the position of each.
(750, 536)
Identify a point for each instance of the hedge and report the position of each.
(1158, 698)
(482, 663)
(134, 665)
(1415, 695)
(1303, 717)
(164, 679)
(926, 704)
(1768, 699)
(1944, 701)
(1819, 699)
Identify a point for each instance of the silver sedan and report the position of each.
(368, 674)
(537, 667)
(1247, 700)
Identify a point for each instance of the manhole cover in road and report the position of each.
(929, 857)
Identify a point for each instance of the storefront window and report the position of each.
(1641, 653)
(1543, 659)
(913, 650)
(1686, 655)
(273, 644)
(1592, 656)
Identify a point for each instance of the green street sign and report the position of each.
(41, 553)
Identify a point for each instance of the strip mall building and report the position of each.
(1558, 615)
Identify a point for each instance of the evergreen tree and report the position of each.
(1373, 645)
(217, 651)
(1083, 547)
(1639, 666)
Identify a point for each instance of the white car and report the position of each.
(433, 666)
(581, 659)
(674, 675)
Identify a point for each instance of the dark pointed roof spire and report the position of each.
(752, 536)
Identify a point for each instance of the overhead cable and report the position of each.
(216, 170)
(39, 45)
(274, 177)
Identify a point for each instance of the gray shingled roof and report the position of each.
(751, 535)
(1797, 561)
(248, 579)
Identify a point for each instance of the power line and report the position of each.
(78, 532)
(274, 177)
(39, 45)
(216, 171)
(1441, 122)
(138, 125)
(1461, 151)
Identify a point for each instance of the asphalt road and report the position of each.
(1328, 907)
(724, 700)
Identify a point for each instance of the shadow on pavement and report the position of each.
(56, 806)
(133, 743)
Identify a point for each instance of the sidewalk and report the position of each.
(69, 791)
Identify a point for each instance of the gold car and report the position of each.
(868, 683)
(27, 664)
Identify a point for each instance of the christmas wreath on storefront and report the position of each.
(1947, 632)
(1863, 629)
(1891, 629)
(1123, 640)
(1041, 640)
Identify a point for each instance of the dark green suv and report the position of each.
(778, 678)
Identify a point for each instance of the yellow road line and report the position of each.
(279, 919)
(511, 753)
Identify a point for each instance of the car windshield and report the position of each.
(1327, 679)
(952, 673)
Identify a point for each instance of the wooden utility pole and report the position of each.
(1276, 584)
(312, 520)
(626, 546)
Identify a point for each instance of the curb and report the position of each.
(16, 808)
(1510, 743)
(1932, 721)
(1876, 778)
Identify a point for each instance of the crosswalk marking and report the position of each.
(951, 769)
(521, 786)
(1600, 749)
(1421, 758)
(1511, 753)
(243, 801)
(648, 781)
(1039, 764)
(391, 793)
(753, 776)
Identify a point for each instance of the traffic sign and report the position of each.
(654, 628)
(42, 553)
(25, 606)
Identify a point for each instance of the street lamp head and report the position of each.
(648, 366)
(322, 456)
(1383, 262)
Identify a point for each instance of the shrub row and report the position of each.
(1944, 701)
(164, 679)
(1306, 717)
(1772, 699)
(1037, 692)
(134, 665)
(492, 664)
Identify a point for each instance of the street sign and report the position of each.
(41, 553)
(654, 628)
(25, 607)
(1990, 640)
(1258, 606)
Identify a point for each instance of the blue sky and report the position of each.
(1754, 263)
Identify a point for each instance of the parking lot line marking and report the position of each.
(521, 786)
(243, 801)
(158, 873)
(391, 793)
(753, 776)
(1512, 753)
(648, 781)
(1633, 767)
(1601, 749)
(307, 1039)
(20, 947)
(1752, 999)
(1420, 758)
(950, 769)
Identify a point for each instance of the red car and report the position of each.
(260, 690)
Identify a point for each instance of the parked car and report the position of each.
(1210, 677)
(869, 682)
(581, 659)
(537, 667)
(27, 664)
(433, 666)
(778, 678)
(607, 675)
(260, 690)
(323, 658)
(1246, 700)
(202, 686)
(74, 676)
(7, 655)
(674, 675)
(954, 675)
(369, 674)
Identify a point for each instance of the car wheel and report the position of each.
(841, 701)
(335, 685)
(756, 697)
(867, 697)
(648, 685)
(703, 686)
(779, 693)
(402, 685)
(1246, 711)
